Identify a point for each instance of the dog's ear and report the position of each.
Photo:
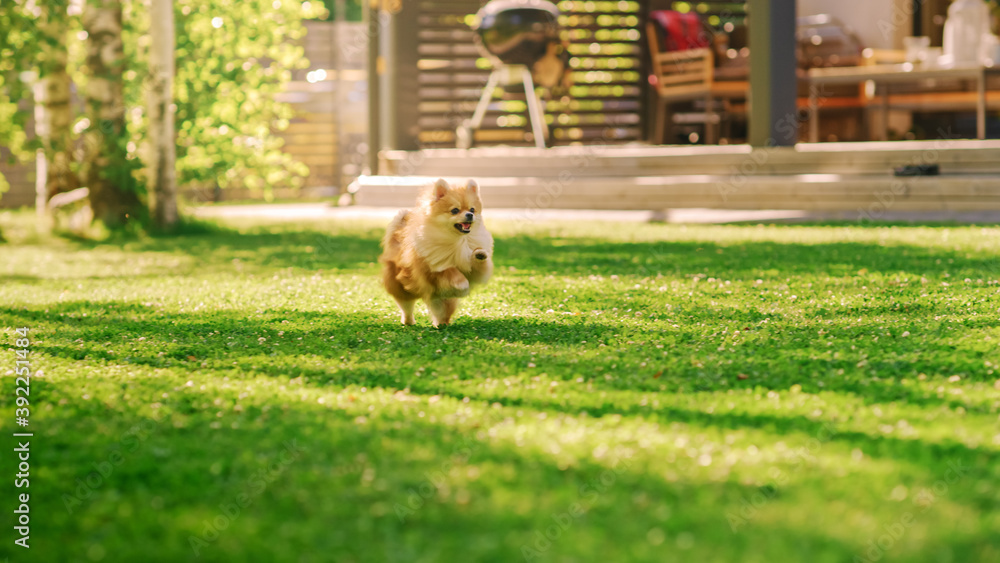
(439, 189)
(473, 187)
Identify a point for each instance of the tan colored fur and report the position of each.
(425, 257)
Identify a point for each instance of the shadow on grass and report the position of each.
(203, 455)
(365, 350)
(19, 278)
(903, 449)
(343, 493)
(176, 335)
(291, 246)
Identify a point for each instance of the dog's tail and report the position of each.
(394, 234)
(391, 245)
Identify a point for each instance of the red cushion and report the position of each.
(679, 31)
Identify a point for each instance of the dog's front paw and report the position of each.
(480, 254)
(452, 283)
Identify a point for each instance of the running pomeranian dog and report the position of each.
(437, 251)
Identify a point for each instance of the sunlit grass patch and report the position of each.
(618, 392)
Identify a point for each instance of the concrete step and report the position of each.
(818, 192)
(953, 157)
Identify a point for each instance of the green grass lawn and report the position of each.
(617, 393)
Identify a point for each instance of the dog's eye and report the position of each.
(454, 211)
(472, 210)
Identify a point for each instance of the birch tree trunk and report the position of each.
(53, 112)
(114, 195)
(162, 136)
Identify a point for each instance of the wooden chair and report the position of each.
(687, 76)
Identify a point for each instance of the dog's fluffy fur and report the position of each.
(433, 254)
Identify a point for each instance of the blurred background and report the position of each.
(272, 96)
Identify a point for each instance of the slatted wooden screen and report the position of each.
(319, 135)
(313, 133)
(606, 101)
(311, 136)
(716, 13)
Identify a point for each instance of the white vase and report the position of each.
(968, 21)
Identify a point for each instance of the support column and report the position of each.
(402, 77)
(773, 84)
(373, 31)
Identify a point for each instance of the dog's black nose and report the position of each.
(469, 216)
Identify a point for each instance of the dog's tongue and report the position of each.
(466, 226)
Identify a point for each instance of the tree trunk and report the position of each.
(162, 136)
(114, 196)
(54, 126)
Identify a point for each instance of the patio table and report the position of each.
(885, 75)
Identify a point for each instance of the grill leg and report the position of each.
(538, 127)
(466, 132)
(484, 100)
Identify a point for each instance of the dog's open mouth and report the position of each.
(463, 227)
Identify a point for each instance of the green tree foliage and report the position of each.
(233, 57)
(18, 51)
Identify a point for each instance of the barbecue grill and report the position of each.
(521, 40)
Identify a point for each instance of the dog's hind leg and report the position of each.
(441, 311)
(406, 307)
(403, 298)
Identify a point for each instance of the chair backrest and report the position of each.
(679, 72)
(677, 31)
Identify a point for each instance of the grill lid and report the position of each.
(516, 31)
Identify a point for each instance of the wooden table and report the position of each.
(886, 75)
